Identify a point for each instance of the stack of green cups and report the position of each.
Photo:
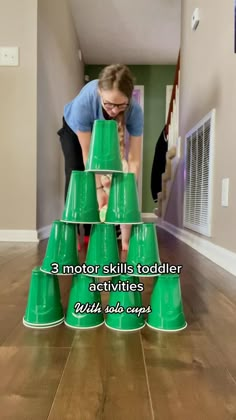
(44, 308)
(81, 202)
(143, 248)
(166, 304)
(104, 152)
(103, 249)
(123, 307)
(61, 248)
(123, 207)
(84, 308)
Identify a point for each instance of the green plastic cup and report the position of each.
(61, 248)
(123, 205)
(166, 304)
(84, 306)
(104, 151)
(143, 249)
(44, 308)
(81, 202)
(121, 304)
(103, 250)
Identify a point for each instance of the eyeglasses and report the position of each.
(109, 106)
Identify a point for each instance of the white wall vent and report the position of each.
(198, 175)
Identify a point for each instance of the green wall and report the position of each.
(154, 78)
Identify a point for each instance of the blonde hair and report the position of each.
(118, 76)
(121, 132)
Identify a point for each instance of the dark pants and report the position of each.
(73, 158)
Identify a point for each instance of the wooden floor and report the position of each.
(63, 374)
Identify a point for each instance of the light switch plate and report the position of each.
(9, 56)
(225, 192)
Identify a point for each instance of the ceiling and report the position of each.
(128, 31)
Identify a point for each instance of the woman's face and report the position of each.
(113, 101)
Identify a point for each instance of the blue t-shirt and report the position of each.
(86, 107)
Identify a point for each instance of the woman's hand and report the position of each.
(106, 181)
(102, 198)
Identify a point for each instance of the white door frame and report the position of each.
(140, 178)
(169, 89)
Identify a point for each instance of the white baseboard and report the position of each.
(149, 217)
(18, 235)
(25, 235)
(44, 232)
(220, 256)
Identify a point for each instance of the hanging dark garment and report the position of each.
(159, 165)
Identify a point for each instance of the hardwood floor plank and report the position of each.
(59, 336)
(217, 316)
(104, 379)
(10, 317)
(29, 380)
(190, 394)
(10, 250)
(187, 376)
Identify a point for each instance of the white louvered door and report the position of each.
(198, 175)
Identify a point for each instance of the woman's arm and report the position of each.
(84, 139)
(134, 155)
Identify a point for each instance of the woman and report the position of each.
(109, 97)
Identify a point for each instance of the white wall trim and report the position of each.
(18, 236)
(140, 177)
(220, 256)
(25, 235)
(149, 218)
(44, 232)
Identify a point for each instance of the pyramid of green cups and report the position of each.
(125, 311)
